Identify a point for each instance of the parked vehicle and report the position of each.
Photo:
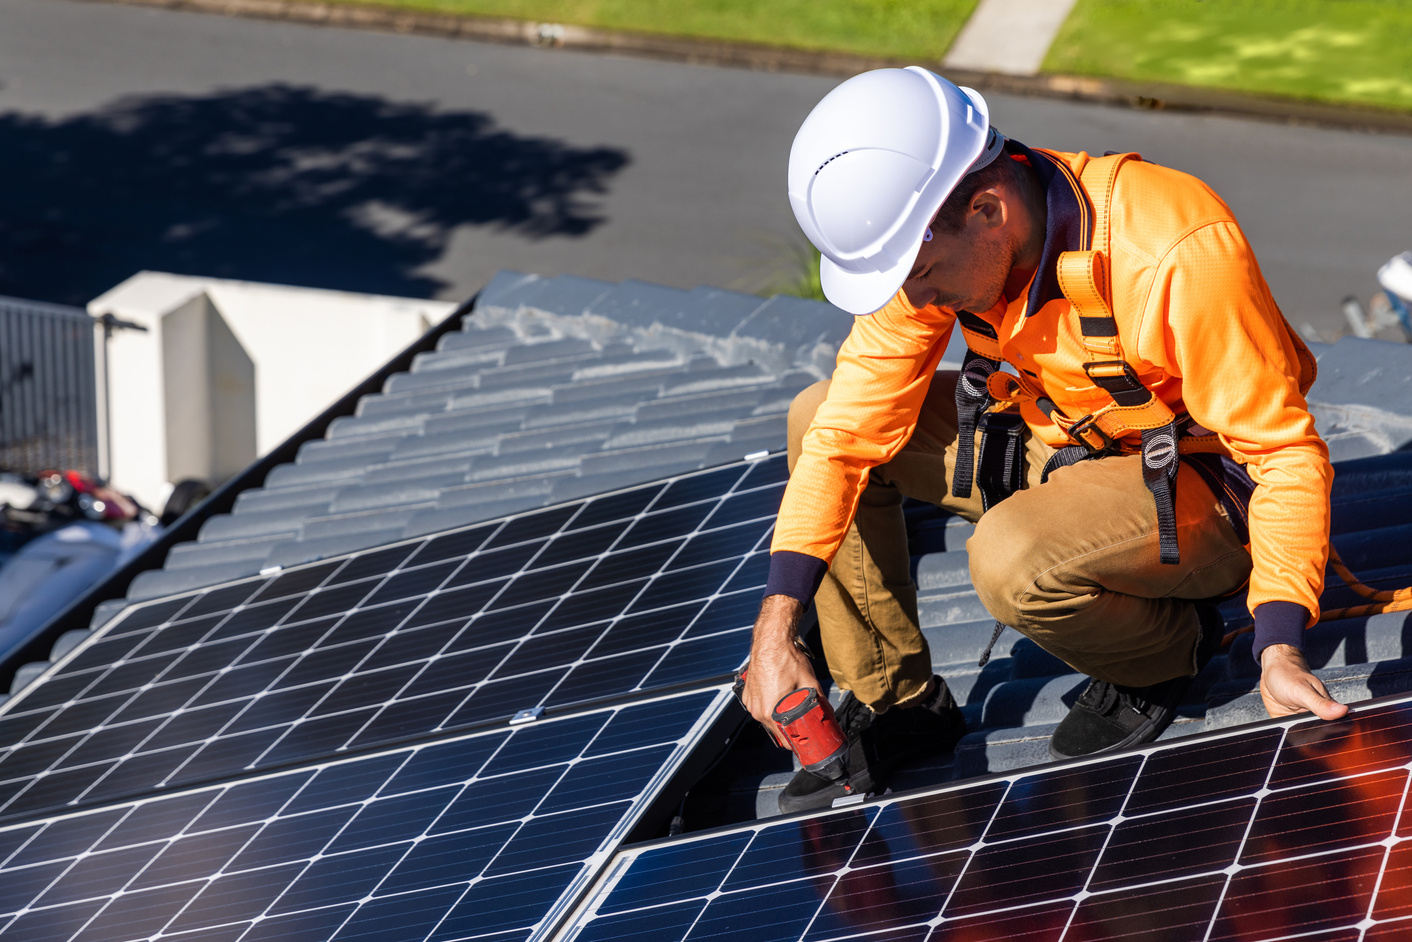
(60, 533)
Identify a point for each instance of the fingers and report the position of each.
(1289, 687)
(1311, 695)
(775, 673)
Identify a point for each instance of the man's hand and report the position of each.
(1287, 685)
(777, 667)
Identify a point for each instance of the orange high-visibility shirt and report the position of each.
(1197, 322)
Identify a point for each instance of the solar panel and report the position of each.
(489, 834)
(1287, 829)
(645, 589)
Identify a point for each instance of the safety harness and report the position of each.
(986, 396)
(987, 401)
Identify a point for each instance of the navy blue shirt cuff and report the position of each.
(796, 575)
(1278, 623)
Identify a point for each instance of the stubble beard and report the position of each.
(989, 271)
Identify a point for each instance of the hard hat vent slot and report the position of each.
(829, 161)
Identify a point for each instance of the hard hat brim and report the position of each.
(863, 293)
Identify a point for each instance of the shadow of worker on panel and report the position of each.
(276, 183)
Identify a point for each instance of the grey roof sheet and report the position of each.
(1363, 398)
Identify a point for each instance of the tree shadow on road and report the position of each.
(276, 183)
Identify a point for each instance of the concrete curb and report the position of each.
(781, 59)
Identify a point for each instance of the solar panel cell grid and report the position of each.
(1288, 829)
(633, 591)
(459, 838)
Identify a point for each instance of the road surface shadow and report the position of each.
(275, 183)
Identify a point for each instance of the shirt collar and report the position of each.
(1068, 225)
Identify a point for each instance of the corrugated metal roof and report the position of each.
(553, 388)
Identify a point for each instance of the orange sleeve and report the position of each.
(1227, 340)
(883, 372)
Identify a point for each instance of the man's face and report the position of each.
(964, 271)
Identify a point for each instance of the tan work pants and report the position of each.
(1071, 563)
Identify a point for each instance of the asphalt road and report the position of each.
(133, 138)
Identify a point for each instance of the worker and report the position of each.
(1129, 432)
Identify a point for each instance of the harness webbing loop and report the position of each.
(1160, 461)
(1000, 471)
(972, 399)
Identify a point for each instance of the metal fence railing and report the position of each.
(48, 395)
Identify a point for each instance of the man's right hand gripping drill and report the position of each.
(777, 665)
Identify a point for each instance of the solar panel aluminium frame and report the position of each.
(752, 481)
(1003, 784)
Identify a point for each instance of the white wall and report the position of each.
(211, 425)
(308, 346)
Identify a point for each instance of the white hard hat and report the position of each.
(869, 168)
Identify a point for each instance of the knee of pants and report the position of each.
(1002, 558)
(801, 414)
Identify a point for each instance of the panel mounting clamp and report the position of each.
(527, 716)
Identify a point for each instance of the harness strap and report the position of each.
(1098, 177)
(972, 400)
(1159, 444)
(1001, 469)
(1159, 473)
(1083, 277)
(1063, 457)
(980, 335)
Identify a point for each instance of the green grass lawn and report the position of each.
(1325, 50)
(917, 29)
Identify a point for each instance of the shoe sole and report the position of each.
(789, 807)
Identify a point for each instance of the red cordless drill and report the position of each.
(805, 724)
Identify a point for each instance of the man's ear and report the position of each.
(989, 209)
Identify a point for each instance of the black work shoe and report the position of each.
(1108, 717)
(877, 744)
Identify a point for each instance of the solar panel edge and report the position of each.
(624, 860)
(603, 885)
(724, 712)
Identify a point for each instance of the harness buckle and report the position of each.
(1099, 370)
(1086, 433)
